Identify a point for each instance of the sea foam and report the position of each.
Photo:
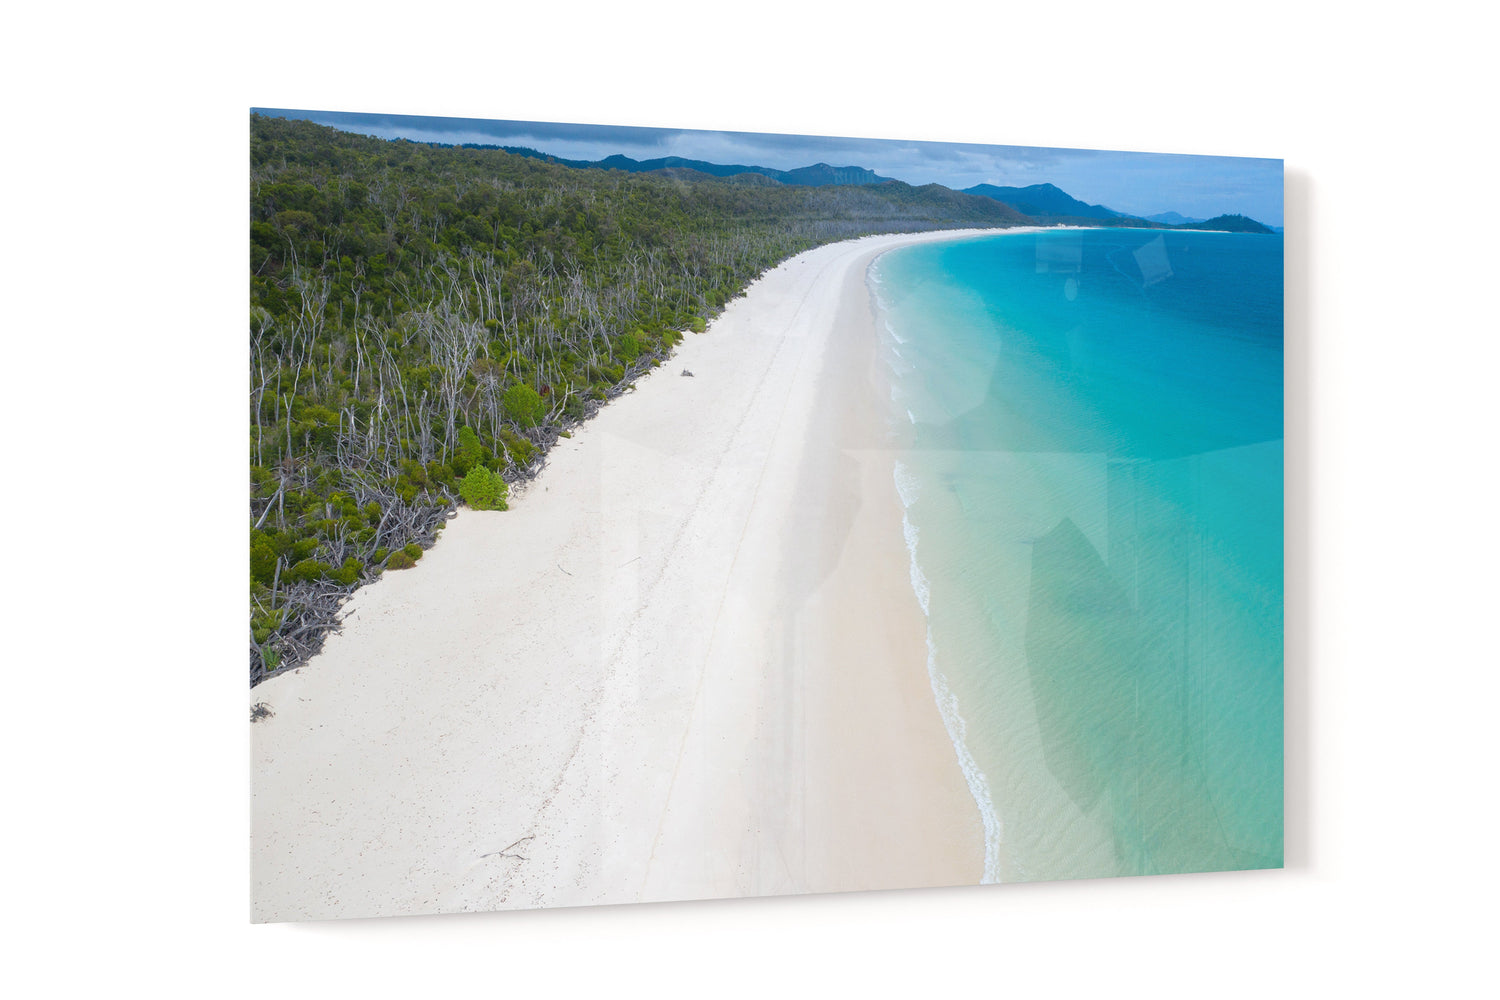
(907, 489)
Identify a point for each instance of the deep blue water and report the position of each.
(1090, 427)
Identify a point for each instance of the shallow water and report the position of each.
(1091, 464)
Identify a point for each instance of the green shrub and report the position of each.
(524, 405)
(400, 560)
(262, 558)
(482, 489)
(469, 447)
(307, 569)
(412, 549)
(628, 345)
(519, 448)
(348, 573)
(413, 471)
(264, 624)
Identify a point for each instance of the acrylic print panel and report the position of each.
(642, 514)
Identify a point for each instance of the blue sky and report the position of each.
(1135, 183)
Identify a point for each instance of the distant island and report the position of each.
(1049, 205)
(1228, 224)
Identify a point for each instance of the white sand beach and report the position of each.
(687, 663)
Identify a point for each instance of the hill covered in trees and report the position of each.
(1229, 224)
(816, 175)
(426, 321)
(1043, 201)
(1052, 206)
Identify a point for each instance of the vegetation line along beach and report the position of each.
(687, 663)
(426, 322)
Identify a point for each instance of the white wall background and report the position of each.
(123, 722)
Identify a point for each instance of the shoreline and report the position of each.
(940, 687)
(685, 664)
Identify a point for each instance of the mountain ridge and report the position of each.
(813, 175)
(1042, 200)
(1044, 203)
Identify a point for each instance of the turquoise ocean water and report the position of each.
(1090, 458)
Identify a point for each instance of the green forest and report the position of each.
(426, 321)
